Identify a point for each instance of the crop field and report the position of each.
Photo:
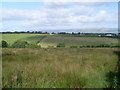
(53, 40)
(76, 41)
(59, 67)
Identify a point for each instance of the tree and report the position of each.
(78, 33)
(73, 33)
(53, 32)
(73, 46)
(20, 44)
(4, 44)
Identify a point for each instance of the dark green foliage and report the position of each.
(88, 46)
(118, 69)
(97, 46)
(20, 44)
(73, 46)
(112, 79)
(4, 44)
(61, 45)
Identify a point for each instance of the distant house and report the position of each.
(109, 35)
(99, 35)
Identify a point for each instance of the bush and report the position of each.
(81, 46)
(61, 45)
(4, 44)
(73, 46)
(102, 45)
(88, 46)
(20, 44)
(93, 46)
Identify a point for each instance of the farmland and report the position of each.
(31, 38)
(52, 40)
(61, 44)
(70, 68)
(64, 67)
(76, 41)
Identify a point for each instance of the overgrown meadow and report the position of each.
(60, 67)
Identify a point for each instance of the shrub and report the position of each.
(88, 46)
(20, 44)
(61, 45)
(4, 44)
(81, 46)
(73, 46)
(102, 45)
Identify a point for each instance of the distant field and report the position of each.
(30, 38)
(77, 41)
(59, 67)
(53, 40)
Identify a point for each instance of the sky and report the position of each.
(59, 15)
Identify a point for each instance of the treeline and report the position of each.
(29, 32)
(18, 44)
(113, 35)
(89, 46)
(25, 44)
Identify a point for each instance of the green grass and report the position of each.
(30, 38)
(53, 40)
(60, 67)
(77, 41)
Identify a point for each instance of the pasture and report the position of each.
(30, 38)
(52, 40)
(59, 67)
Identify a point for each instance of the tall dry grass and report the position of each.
(60, 67)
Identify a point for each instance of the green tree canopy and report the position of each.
(4, 44)
(20, 44)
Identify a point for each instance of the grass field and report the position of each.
(59, 67)
(53, 40)
(76, 41)
(30, 38)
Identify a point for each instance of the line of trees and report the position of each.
(88, 46)
(25, 44)
(22, 32)
(64, 33)
(18, 44)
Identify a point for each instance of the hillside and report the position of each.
(46, 40)
(76, 41)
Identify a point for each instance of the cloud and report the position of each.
(79, 12)
(63, 14)
(65, 1)
(60, 0)
(18, 14)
